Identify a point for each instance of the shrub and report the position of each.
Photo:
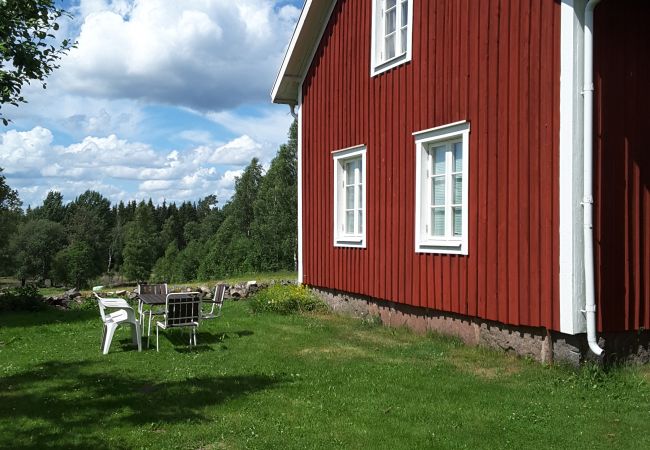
(21, 299)
(286, 300)
(84, 304)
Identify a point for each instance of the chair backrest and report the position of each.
(217, 300)
(153, 289)
(102, 311)
(183, 309)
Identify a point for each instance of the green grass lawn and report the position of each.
(320, 381)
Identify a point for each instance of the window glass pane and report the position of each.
(403, 40)
(438, 191)
(458, 157)
(360, 217)
(438, 221)
(439, 160)
(458, 221)
(349, 197)
(360, 197)
(458, 189)
(391, 19)
(349, 172)
(405, 13)
(349, 222)
(390, 3)
(390, 46)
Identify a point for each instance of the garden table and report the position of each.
(149, 300)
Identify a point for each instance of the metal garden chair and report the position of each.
(216, 302)
(182, 310)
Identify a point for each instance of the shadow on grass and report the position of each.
(78, 404)
(180, 339)
(49, 316)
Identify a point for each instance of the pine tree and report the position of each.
(140, 245)
(274, 228)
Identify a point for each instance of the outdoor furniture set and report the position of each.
(176, 310)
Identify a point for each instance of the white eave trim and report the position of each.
(315, 15)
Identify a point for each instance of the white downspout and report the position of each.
(588, 202)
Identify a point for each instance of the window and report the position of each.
(350, 197)
(441, 189)
(391, 34)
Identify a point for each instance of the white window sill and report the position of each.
(390, 64)
(350, 241)
(451, 247)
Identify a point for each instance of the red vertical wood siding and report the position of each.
(622, 164)
(494, 63)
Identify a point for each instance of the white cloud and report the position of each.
(266, 125)
(34, 166)
(239, 151)
(203, 54)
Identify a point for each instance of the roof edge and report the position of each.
(302, 48)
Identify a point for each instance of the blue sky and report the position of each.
(161, 99)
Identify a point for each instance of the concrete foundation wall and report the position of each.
(543, 345)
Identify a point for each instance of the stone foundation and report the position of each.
(540, 344)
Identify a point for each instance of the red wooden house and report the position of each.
(449, 173)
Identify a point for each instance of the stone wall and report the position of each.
(540, 344)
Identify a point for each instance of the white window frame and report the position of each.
(378, 63)
(424, 141)
(341, 237)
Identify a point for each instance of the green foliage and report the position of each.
(34, 246)
(86, 303)
(52, 209)
(28, 48)
(10, 216)
(89, 220)
(231, 249)
(275, 228)
(21, 299)
(74, 265)
(166, 267)
(287, 299)
(140, 249)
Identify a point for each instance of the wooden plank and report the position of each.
(512, 209)
(524, 168)
(481, 133)
(502, 157)
(473, 95)
(547, 80)
(555, 325)
(492, 151)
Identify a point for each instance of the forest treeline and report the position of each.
(77, 242)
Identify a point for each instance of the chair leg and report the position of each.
(110, 330)
(136, 335)
(156, 339)
(194, 330)
(101, 344)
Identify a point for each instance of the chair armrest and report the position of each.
(115, 303)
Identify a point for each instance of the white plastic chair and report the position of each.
(217, 303)
(182, 310)
(123, 314)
